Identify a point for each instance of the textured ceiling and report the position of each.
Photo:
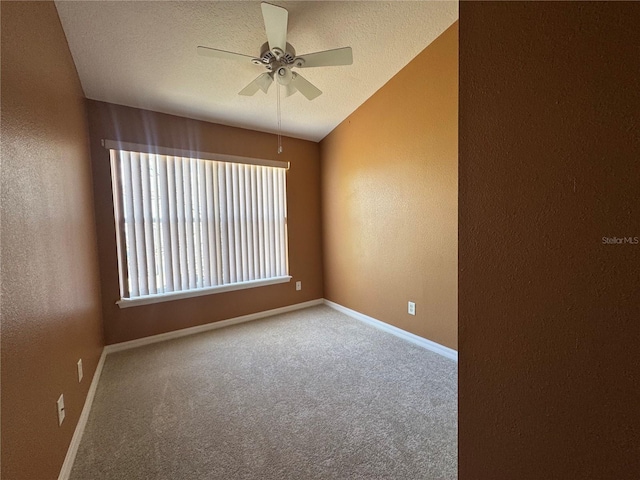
(143, 54)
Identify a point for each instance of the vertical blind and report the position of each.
(186, 223)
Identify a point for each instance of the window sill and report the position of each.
(167, 297)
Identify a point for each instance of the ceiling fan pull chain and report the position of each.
(279, 118)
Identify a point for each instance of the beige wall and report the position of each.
(303, 191)
(50, 311)
(390, 199)
(549, 369)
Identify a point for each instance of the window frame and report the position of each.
(125, 300)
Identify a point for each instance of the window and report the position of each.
(188, 225)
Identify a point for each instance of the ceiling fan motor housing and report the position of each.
(267, 56)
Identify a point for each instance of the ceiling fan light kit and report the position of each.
(279, 58)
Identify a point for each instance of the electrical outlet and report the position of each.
(60, 404)
(80, 374)
(412, 308)
(298, 285)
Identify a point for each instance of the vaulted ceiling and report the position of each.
(143, 54)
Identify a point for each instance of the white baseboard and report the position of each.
(65, 471)
(422, 342)
(116, 347)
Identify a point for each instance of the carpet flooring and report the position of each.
(310, 394)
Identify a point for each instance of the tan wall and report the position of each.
(549, 316)
(390, 199)
(303, 189)
(50, 295)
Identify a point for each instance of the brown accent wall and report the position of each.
(549, 369)
(50, 311)
(390, 199)
(117, 122)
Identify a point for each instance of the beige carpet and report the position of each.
(311, 394)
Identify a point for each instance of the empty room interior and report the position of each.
(309, 240)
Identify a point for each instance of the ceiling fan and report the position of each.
(279, 58)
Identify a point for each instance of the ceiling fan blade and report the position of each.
(328, 58)
(275, 24)
(215, 53)
(305, 87)
(289, 89)
(262, 82)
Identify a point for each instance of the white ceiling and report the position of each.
(143, 54)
